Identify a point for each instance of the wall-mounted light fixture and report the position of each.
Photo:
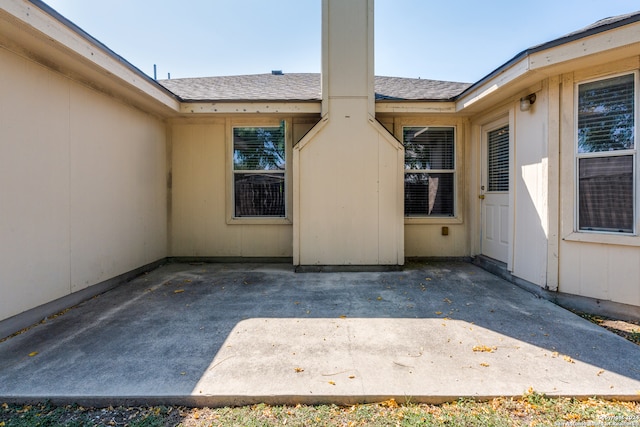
(527, 101)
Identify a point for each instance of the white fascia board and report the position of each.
(410, 107)
(494, 84)
(610, 45)
(622, 37)
(53, 32)
(276, 107)
(290, 107)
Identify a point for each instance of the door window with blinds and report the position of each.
(259, 166)
(430, 169)
(606, 155)
(498, 159)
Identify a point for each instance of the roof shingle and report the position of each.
(301, 87)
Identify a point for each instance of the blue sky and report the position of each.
(458, 40)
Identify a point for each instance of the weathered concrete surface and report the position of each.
(219, 334)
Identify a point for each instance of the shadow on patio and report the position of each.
(218, 334)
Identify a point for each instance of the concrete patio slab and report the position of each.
(233, 334)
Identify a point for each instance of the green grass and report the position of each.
(530, 410)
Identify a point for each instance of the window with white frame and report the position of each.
(259, 168)
(606, 155)
(430, 169)
(498, 159)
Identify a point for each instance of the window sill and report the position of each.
(603, 238)
(432, 220)
(259, 221)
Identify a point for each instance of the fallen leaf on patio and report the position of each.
(298, 370)
(568, 359)
(600, 372)
(438, 313)
(351, 377)
(178, 291)
(343, 316)
(484, 348)
(554, 354)
(332, 383)
(447, 300)
(33, 353)
(296, 302)
(379, 298)
(183, 373)
(486, 365)
(428, 279)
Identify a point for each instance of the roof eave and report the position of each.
(291, 106)
(415, 106)
(250, 106)
(35, 30)
(522, 67)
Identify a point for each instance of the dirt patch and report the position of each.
(627, 329)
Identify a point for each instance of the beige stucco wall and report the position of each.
(604, 272)
(530, 192)
(529, 215)
(200, 177)
(200, 220)
(546, 250)
(84, 186)
(423, 237)
(348, 187)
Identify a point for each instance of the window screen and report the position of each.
(606, 193)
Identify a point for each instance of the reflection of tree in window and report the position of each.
(429, 171)
(259, 163)
(606, 115)
(258, 148)
(606, 155)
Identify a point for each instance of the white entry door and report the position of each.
(495, 191)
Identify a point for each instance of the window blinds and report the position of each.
(606, 115)
(498, 159)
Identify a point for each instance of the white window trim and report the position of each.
(599, 236)
(457, 203)
(486, 130)
(229, 185)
